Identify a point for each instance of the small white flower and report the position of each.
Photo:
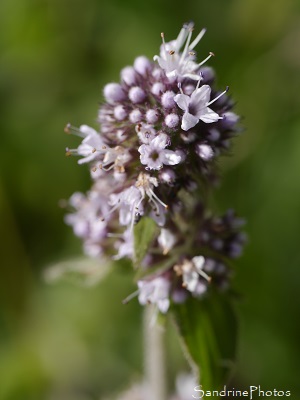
(85, 220)
(191, 270)
(154, 154)
(166, 240)
(156, 292)
(180, 65)
(129, 204)
(146, 132)
(196, 108)
(190, 276)
(125, 248)
(91, 146)
(115, 158)
(204, 151)
(145, 184)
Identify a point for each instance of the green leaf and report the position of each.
(208, 330)
(157, 269)
(144, 232)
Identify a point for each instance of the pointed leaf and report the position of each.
(208, 331)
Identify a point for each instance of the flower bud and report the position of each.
(113, 92)
(142, 65)
(167, 99)
(136, 95)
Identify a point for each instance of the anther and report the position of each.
(177, 270)
(67, 128)
(171, 52)
(210, 54)
(94, 150)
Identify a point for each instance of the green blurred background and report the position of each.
(67, 342)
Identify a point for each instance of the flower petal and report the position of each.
(199, 262)
(209, 116)
(170, 157)
(182, 101)
(188, 121)
(202, 95)
(160, 141)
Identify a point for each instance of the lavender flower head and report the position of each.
(162, 129)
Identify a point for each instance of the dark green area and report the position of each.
(208, 330)
(67, 342)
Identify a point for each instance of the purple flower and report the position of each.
(196, 108)
(153, 157)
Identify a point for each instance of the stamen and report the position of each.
(204, 275)
(158, 199)
(181, 38)
(133, 214)
(109, 168)
(180, 88)
(165, 50)
(197, 39)
(67, 128)
(155, 206)
(131, 296)
(200, 79)
(71, 152)
(216, 98)
(115, 235)
(115, 207)
(162, 35)
(72, 130)
(186, 47)
(140, 201)
(211, 54)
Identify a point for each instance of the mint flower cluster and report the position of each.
(154, 158)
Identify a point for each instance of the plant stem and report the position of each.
(154, 356)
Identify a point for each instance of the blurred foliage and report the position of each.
(68, 342)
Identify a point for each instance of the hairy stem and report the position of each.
(154, 356)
